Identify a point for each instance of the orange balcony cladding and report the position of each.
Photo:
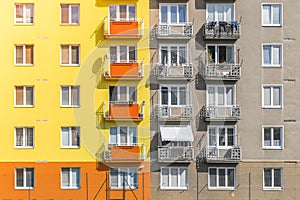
(124, 111)
(47, 181)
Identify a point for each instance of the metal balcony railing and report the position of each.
(218, 155)
(124, 152)
(222, 30)
(222, 71)
(222, 113)
(175, 153)
(182, 112)
(173, 31)
(174, 71)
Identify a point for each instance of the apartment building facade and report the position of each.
(76, 106)
(237, 100)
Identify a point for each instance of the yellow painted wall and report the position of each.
(47, 75)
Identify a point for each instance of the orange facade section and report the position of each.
(125, 70)
(124, 28)
(94, 182)
(125, 152)
(124, 111)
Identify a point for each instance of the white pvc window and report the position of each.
(70, 137)
(123, 136)
(122, 94)
(272, 55)
(122, 12)
(123, 54)
(173, 54)
(221, 178)
(24, 178)
(221, 95)
(24, 13)
(273, 137)
(173, 13)
(70, 96)
(272, 96)
(24, 137)
(24, 54)
(69, 14)
(271, 14)
(174, 178)
(69, 55)
(221, 54)
(219, 12)
(70, 178)
(127, 177)
(24, 96)
(174, 95)
(272, 179)
(222, 136)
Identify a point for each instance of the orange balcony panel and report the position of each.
(124, 70)
(124, 28)
(125, 152)
(124, 111)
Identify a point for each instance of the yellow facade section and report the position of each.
(47, 75)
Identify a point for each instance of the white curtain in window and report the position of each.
(267, 136)
(221, 96)
(229, 96)
(29, 95)
(165, 177)
(276, 55)
(276, 96)
(229, 13)
(267, 96)
(75, 177)
(29, 136)
(65, 95)
(65, 177)
(29, 13)
(212, 137)
(174, 177)
(113, 177)
(211, 96)
(65, 136)
(267, 55)
(221, 14)
(29, 177)
(183, 177)
(113, 135)
(266, 14)
(210, 13)
(19, 136)
(276, 14)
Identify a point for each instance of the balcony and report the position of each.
(217, 155)
(222, 71)
(123, 111)
(123, 29)
(222, 30)
(175, 154)
(124, 71)
(124, 153)
(175, 31)
(220, 113)
(174, 113)
(174, 72)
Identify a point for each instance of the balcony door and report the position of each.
(122, 12)
(221, 136)
(123, 136)
(122, 54)
(174, 95)
(221, 96)
(173, 54)
(122, 94)
(220, 54)
(172, 13)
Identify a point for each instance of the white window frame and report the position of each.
(272, 146)
(23, 20)
(217, 52)
(271, 22)
(271, 96)
(24, 187)
(217, 127)
(70, 95)
(70, 14)
(169, 13)
(169, 53)
(178, 178)
(225, 97)
(226, 187)
(24, 96)
(70, 146)
(120, 178)
(118, 60)
(271, 49)
(169, 86)
(216, 10)
(24, 146)
(70, 54)
(272, 179)
(118, 12)
(24, 55)
(129, 135)
(127, 93)
(70, 180)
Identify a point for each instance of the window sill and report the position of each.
(67, 24)
(272, 148)
(24, 24)
(24, 188)
(70, 147)
(24, 106)
(271, 25)
(221, 188)
(126, 188)
(70, 188)
(62, 106)
(169, 188)
(272, 107)
(272, 66)
(272, 189)
(70, 65)
(23, 65)
(16, 147)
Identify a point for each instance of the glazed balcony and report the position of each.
(130, 29)
(123, 111)
(175, 31)
(124, 153)
(222, 71)
(218, 155)
(174, 71)
(220, 113)
(174, 113)
(222, 30)
(124, 70)
(175, 154)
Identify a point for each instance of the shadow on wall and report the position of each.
(200, 4)
(98, 33)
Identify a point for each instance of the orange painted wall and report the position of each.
(47, 182)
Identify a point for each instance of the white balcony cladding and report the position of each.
(179, 133)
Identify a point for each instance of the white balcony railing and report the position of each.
(175, 153)
(222, 71)
(182, 112)
(214, 154)
(175, 30)
(222, 30)
(230, 113)
(174, 71)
